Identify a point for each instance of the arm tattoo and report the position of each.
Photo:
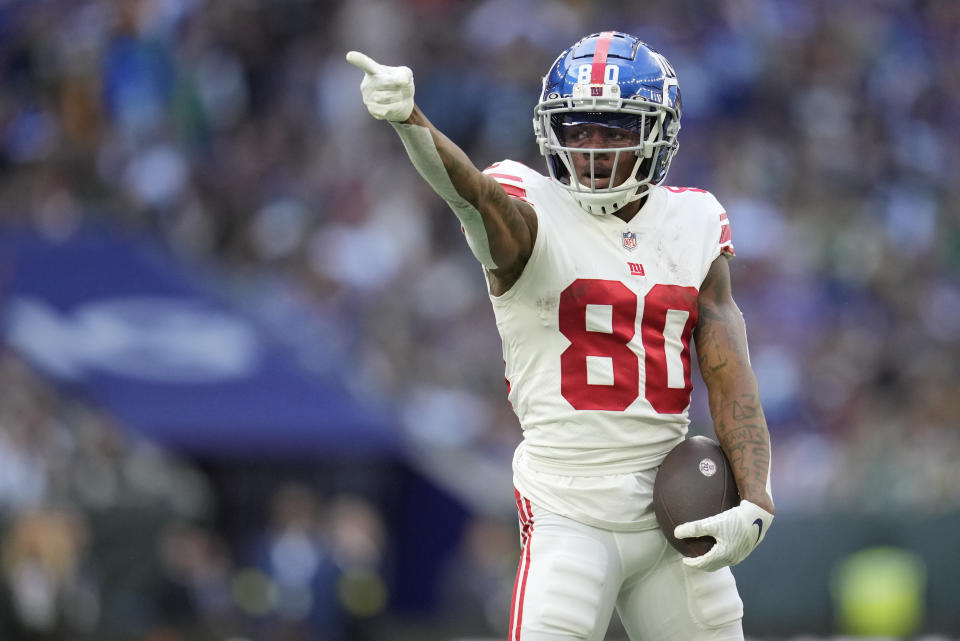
(742, 431)
(741, 412)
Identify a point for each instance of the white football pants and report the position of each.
(571, 576)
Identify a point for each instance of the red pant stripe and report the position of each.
(525, 511)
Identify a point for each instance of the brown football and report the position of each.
(694, 481)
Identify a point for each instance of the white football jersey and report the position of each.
(596, 342)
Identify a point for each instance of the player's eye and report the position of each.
(622, 137)
(576, 135)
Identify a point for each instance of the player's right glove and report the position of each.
(387, 91)
(737, 531)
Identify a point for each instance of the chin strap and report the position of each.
(603, 204)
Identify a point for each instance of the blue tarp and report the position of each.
(116, 318)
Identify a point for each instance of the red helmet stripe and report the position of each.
(599, 70)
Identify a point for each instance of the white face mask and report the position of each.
(649, 150)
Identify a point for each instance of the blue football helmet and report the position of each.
(614, 80)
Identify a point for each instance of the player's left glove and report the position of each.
(737, 532)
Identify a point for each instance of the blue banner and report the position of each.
(118, 319)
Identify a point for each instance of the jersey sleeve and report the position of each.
(514, 177)
(524, 183)
(718, 235)
(726, 237)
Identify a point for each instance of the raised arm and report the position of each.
(738, 419)
(499, 229)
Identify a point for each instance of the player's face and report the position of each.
(595, 136)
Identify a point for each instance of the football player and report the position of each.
(599, 277)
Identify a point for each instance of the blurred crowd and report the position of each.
(104, 536)
(234, 133)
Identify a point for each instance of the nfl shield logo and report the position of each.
(629, 240)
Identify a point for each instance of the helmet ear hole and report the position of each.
(559, 170)
(644, 169)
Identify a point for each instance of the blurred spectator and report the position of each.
(478, 580)
(358, 543)
(48, 592)
(320, 566)
(195, 591)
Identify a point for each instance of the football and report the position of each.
(694, 481)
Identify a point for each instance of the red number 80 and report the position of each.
(614, 345)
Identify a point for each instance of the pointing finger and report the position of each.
(364, 62)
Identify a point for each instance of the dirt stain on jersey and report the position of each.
(547, 309)
(678, 273)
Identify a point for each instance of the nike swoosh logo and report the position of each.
(759, 524)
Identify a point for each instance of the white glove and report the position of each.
(387, 91)
(737, 531)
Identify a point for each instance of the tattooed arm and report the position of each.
(721, 341)
(510, 224)
(738, 419)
